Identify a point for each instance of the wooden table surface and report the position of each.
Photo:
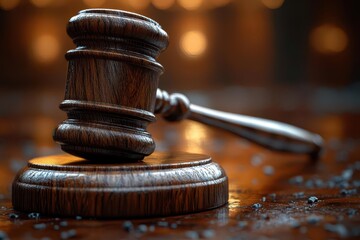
(268, 199)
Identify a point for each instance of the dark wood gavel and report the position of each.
(112, 94)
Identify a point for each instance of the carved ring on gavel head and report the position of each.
(111, 93)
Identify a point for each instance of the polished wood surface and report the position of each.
(281, 183)
(161, 185)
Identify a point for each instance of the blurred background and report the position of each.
(293, 61)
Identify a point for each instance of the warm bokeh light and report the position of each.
(195, 135)
(43, 128)
(139, 4)
(94, 3)
(272, 4)
(163, 4)
(193, 43)
(46, 48)
(219, 3)
(190, 4)
(41, 3)
(9, 4)
(328, 39)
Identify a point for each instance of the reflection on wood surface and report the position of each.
(268, 196)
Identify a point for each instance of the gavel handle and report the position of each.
(270, 134)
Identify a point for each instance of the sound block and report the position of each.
(162, 184)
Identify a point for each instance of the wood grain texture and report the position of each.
(111, 85)
(285, 212)
(163, 184)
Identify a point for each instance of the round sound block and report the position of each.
(160, 185)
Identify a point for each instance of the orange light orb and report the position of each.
(193, 43)
(328, 38)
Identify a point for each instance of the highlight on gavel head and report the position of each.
(111, 85)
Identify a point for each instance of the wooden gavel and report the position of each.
(112, 94)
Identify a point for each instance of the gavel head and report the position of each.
(111, 85)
